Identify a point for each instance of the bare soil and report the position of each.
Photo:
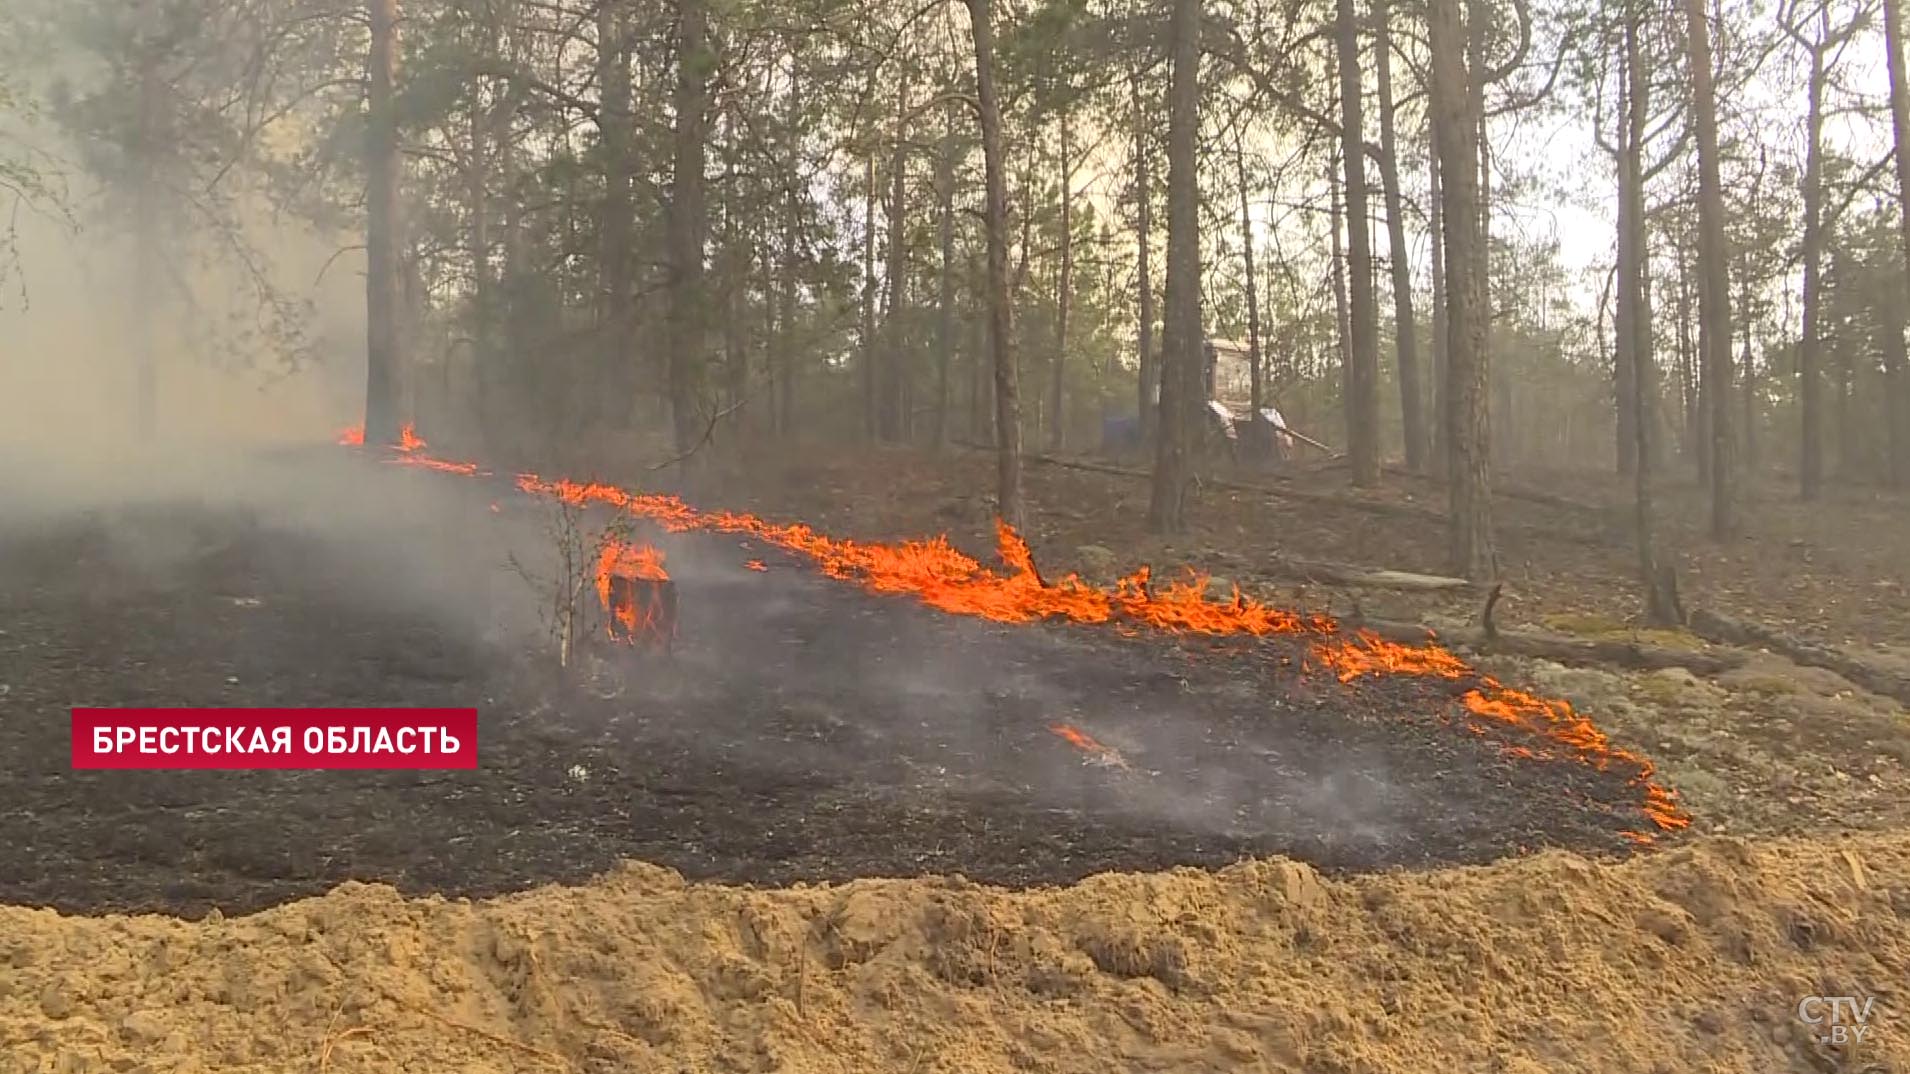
(1694, 959)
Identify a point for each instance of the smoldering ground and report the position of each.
(802, 729)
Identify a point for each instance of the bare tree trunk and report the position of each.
(477, 199)
(893, 409)
(981, 419)
(1436, 238)
(384, 361)
(689, 226)
(1714, 301)
(1632, 327)
(1362, 367)
(1810, 471)
(783, 371)
(616, 394)
(772, 331)
(1848, 460)
(1144, 242)
(1257, 391)
(1456, 135)
(1635, 107)
(1478, 33)
(1748, 364)
(870, 426)
(1412, 406)
(1057, 412)
(1183, 366)
(1696, 447)
(1342, 335)
(1000, 309)
(945, 283)
(1897, 399)
(734, 277)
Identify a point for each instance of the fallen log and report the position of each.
(1718, 627)
(1499, 489)
(1581, 652)
(1414, 512)
(1346, 574)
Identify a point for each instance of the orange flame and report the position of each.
(352, 435)
(941, 576)
(1097, 753)
(756, 565)
(630, 563)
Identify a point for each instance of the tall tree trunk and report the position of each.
(784, 364)
(616, 395)
(1810, 469)
(733, 276)
(1632, 327)
(1849, 462)
(981, 370)
(1748, 364)
(384, 361)
(1478, 34)
(1342, 336)
(1182, 360)
(689, 226)
(945, 282)
(477, 205)
(896, 372)
(1362, 367)
(1634, 107)
(1256, 380)
(1001, 327)
(1456, 135)
(1897, 400)
(1150, 372)
(1412, 406)
(1691, 442)
(1057, 412)
(870, 426)
(1436, 238)
(765, 258)
(1714, 300)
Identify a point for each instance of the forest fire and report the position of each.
(636, 593)
(936, 573)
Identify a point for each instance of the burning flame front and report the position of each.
(941, 576)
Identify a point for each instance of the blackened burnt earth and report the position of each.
(804, 730)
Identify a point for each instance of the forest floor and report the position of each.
(1768, 747)
(808, 731)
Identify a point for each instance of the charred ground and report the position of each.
(804, 731)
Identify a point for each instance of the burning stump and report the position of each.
(638, 597)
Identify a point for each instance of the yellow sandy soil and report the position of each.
(1686, 960)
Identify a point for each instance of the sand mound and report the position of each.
(1692, 959)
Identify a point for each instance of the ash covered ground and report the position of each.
(803, 730)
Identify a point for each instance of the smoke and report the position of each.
(872, 689)
(246, 414)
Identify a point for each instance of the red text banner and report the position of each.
(274, 738)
